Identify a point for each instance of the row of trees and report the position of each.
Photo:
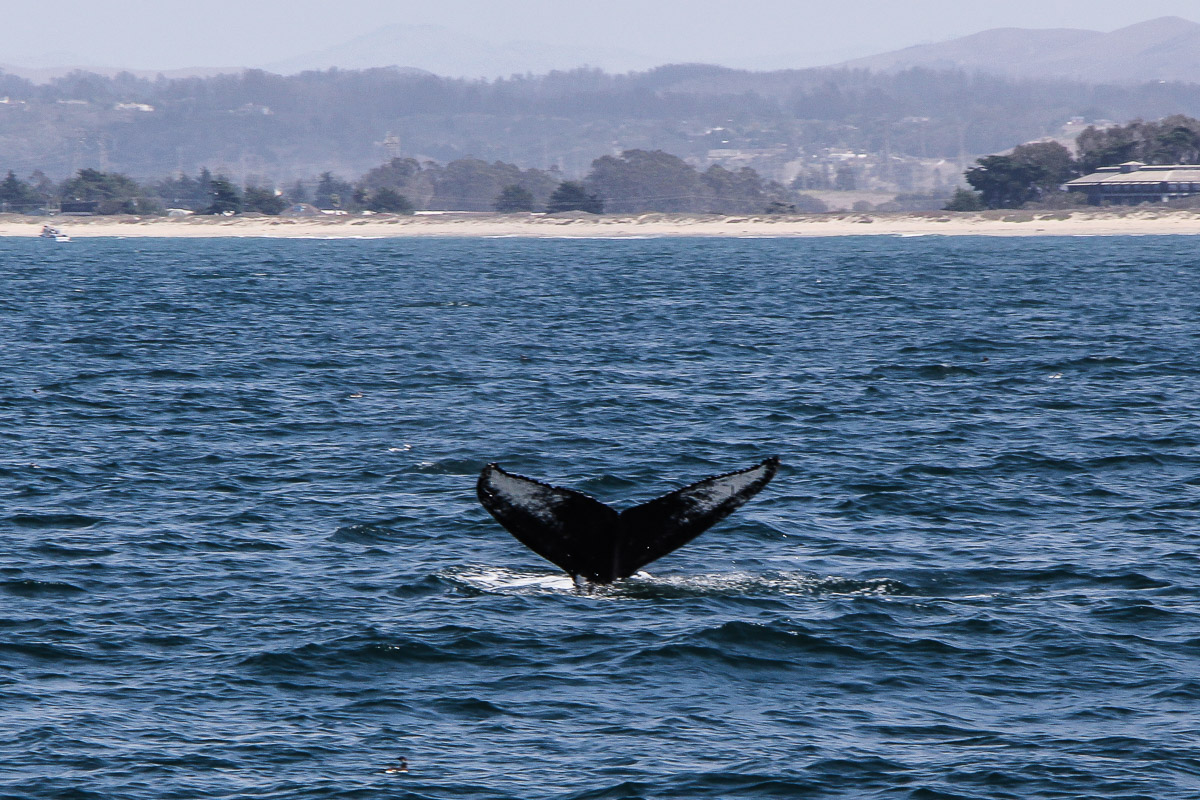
(1171, 140)
(1033, 173)
(635, 181)
(114, 193)
(641, 180)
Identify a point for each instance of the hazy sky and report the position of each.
(158, 34)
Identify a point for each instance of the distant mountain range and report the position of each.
(445, 52)
(1161, 49)
(422, 48)
(1166, 49)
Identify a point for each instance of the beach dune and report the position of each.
(1080, 222)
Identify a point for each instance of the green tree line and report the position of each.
(634, 181)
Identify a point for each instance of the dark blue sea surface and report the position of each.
(241, 556)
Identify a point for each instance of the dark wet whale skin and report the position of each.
(590, 540)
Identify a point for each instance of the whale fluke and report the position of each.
(592, 541)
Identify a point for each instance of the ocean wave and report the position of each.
(54, 550)
(40, 652)
(383, 532)
(35, 588)
(53, 520)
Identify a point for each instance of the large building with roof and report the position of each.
(1134, 182)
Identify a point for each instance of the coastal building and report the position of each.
(1133, 182)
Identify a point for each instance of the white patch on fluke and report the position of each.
(532, 497)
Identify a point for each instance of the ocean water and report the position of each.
(241, 557)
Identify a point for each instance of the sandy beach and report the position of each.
(1086, 222)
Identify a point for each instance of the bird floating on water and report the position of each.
(401, 768)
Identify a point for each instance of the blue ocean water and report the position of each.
(240, 554)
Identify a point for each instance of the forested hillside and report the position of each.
(262, 128)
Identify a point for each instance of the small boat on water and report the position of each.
(51, 232)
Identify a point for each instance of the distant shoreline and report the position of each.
(1075, 222)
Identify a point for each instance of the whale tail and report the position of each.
(589, 540)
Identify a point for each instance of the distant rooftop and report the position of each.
(1137, 172)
